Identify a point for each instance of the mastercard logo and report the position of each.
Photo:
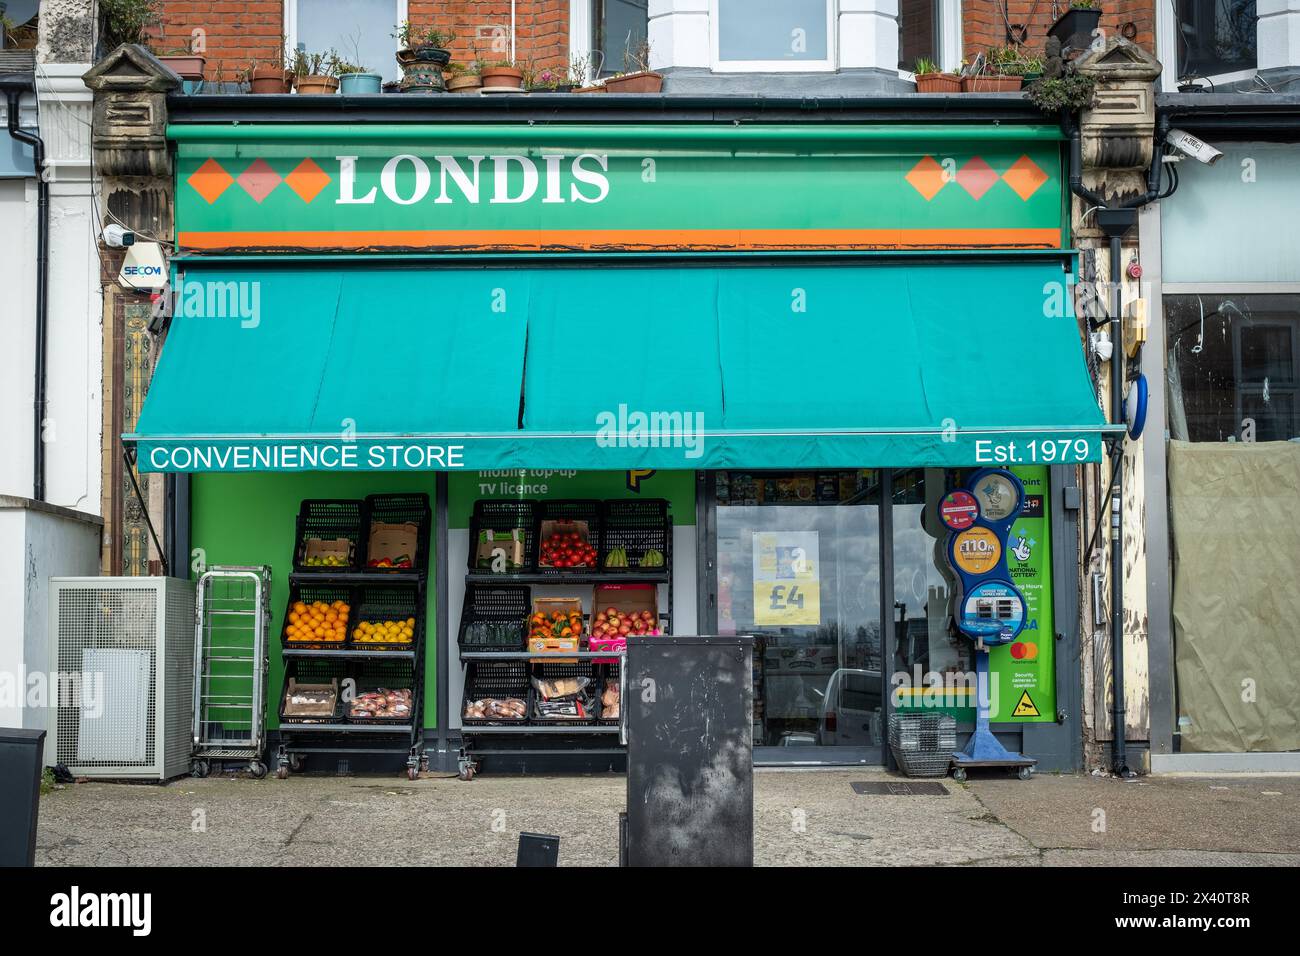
(1022, 651)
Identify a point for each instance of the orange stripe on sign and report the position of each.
(629, 239)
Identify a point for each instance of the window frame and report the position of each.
(947, 23)
(828, 65)
(291, 27)
(1167, 37)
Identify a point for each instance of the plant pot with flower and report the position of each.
(997, 70)
(423, 57)
(268, 76)
(931, 79)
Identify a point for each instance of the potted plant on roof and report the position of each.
(423, 57)
(313, 73)
(268, 74)
(355, 79)
(503, 76)
(637, 77)
(999, 70)
(1074, 27)
(931, 79)
(463, 78)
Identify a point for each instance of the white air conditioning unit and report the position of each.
(123, 650)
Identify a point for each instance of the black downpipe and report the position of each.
(13, 96)
(1114, 220)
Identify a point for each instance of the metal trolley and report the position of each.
(232, 618)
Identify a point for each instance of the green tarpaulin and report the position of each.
(619, 366)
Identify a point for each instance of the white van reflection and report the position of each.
(850, 712)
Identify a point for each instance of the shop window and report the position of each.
(1214, 38)
(360, 31)
(798, 567)
(762, 35)
(1233, 367)
(924, 586)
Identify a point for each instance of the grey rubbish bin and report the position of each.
(21, 755)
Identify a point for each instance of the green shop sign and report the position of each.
(617, 188)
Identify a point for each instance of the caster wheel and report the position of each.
(199, 768)
(412, 773)
(424, 765)
(466, 773)
(257, 769)
(1025, 773)
(282, 773)
(295, 763)
(959, 775)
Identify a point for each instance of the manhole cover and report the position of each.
(899, 788)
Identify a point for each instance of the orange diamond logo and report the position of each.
(307, 180)
(210, 180)
(1024, 177)
(927, 177)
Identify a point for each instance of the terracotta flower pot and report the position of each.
(990, 83)
(502, 78)
(186, 66)
(317, 85)
(938, 83)
(597, 88)
(466, 83)
(635, 83)
(267, 79)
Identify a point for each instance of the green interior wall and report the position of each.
(249, 519)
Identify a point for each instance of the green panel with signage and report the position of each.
(464, 488)
(250, 520)
(617, 188)
(1022, 673)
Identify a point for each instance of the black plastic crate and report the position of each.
(505, 516)
(310, 594)
(637, 525)
(496, 679)
(307, 671)
(611, 675)
(388, 602)
(554, 670)
(329, 518)
(500, 606)
(398, 509)
(590, 510)
(372, 674)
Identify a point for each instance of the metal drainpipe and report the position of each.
(1114, 221)
(13, 96)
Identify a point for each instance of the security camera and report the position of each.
(1187, 144)
(115, 237)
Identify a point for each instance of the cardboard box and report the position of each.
(317, 702)
(323, 548)
(629, 598)
(397, 544)
(556, 645)
(506, 547)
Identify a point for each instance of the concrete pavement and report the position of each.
(802, 818)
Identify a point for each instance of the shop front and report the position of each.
(648, 378)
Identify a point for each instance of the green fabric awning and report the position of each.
(308, 367)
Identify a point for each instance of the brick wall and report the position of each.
(983, 25)
(237, 32)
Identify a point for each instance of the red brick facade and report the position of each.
(984, 25)
(236, 33)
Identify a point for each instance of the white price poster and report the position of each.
(787, 589)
